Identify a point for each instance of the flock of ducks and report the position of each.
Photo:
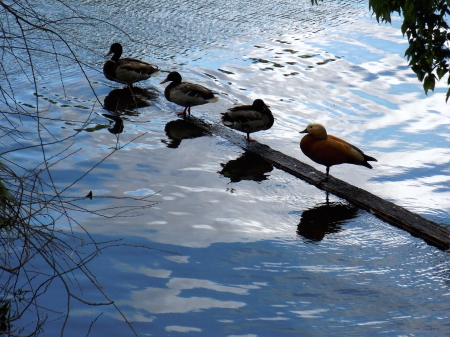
(320, 147)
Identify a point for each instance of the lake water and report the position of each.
(242, 248)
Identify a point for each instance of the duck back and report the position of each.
(333, 151)
(244, 118)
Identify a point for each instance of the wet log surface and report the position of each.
(398, 216)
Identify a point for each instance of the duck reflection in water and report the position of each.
(126, 100)
(325, 219)
(248, 166)
(118, 123)
(180, 129)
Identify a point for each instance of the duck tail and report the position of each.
(369, 158)
(212, 100)
(155, 72)
(226, 119)
(366, 159)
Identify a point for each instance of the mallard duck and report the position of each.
(249, 118)
(126, 70)
(186, 94)
(329, 150)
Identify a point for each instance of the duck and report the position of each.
(249, 118)
(126, 70)
(186, 94)
(330, 150)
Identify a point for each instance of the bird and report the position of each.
(186, 94)
(249, 118)
(329, 150)
(126, 70)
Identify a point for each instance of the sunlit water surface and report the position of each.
(249, 250)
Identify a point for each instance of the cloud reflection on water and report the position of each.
(174, 300)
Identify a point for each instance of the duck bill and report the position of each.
(304, 131)
(164, 81)
(108, 53)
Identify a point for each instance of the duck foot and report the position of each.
(250, 140)
(325, 180)
(188, 109)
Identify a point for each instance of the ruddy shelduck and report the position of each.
(329, 150)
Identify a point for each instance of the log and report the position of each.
(431, 232)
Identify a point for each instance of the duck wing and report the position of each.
(135, 65)
(353, 154)
(243, 114)
(189, 94)
(194, 90)
(245, 119)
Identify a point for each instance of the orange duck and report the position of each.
(329, 150)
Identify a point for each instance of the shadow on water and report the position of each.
(247, 166)
(126, 100)
(117, 126)
(317, 222)
(180, 129)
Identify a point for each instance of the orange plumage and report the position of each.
(329, 150)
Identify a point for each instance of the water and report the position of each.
(246, 251)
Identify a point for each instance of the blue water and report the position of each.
(249, 250)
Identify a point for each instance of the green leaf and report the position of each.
(428, 83)
(441, 72)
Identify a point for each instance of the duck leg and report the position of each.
(249, 139)
(328, 174)
(182, 112)
(325, 180)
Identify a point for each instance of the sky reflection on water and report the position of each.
(241, 265)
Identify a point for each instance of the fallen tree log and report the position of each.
(398, 216)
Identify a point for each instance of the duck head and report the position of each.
(174, 76)
(317, 130)
(259, 105)
(116, 49)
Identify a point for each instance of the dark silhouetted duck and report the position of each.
(186, 94)
(249, 118)
(329, 150)
(126, 70)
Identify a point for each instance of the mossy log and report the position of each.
(431, 232)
